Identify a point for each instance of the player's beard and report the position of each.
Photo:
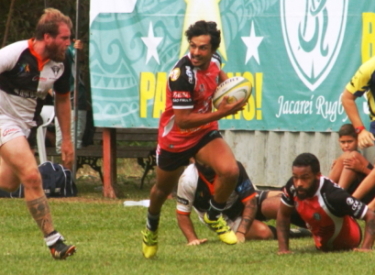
(55, 53)
(306, 192)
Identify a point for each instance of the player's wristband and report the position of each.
(359, 129)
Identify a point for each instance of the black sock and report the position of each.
(215, 209)
(153, 221)
(52, 233)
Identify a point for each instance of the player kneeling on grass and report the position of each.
(328, 210)
(195, 189)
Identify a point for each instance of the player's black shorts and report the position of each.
(260, 197)
(169, 161)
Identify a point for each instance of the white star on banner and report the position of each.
(252, 43)
(151, 43)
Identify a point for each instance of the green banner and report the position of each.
(299, 55)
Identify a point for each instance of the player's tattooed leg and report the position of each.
(39, 210)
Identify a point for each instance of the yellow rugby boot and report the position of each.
(150, 243)
(226, 235)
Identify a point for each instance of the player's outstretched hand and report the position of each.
(197, 242)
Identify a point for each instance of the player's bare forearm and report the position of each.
(186, 119)
(248, 215)
(187, 227)
(283, 235)
(348, 102)
(63, 111)
(366, 185)
(283, 227)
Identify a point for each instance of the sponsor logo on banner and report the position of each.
(313, 32)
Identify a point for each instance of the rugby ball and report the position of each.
(236, 88)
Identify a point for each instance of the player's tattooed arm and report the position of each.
(39, 210)
(248, 216)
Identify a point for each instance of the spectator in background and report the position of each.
(82, 102)
(363, 82)
(351, 168)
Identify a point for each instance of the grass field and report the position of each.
(108, 240)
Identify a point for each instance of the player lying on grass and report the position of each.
(351, 168)
(328, 210)
(243, 210)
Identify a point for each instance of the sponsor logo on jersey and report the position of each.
(24, 68)
(175, 74)
(38, 78)
(55, 70)
(356, 205)
(317, 216)
(25, 93)
(182, 201)
(313, 33)
(9, 131)
(202, 89)
(177, 95)
(292, 189)
(189, 74)
(349, 201)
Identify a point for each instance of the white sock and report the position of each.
(51, 240)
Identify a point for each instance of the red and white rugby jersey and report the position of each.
(188, 87)
(330, 214)
(25, 80)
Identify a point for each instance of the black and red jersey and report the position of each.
(188, 87)
(330, 214)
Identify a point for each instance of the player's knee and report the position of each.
(230, 172)
(31, 178)
(262, 232)
(161, 192)
(265, 233)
